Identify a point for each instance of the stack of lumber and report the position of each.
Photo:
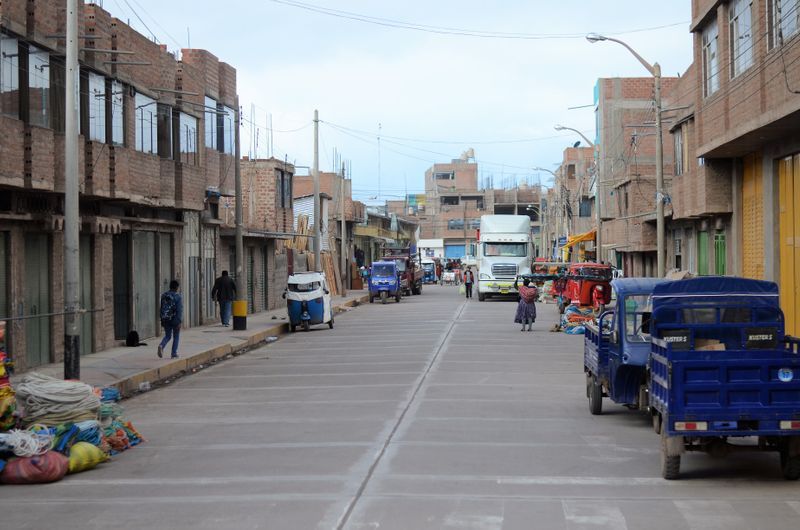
(303, 232)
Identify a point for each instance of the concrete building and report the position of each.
(156, 154)
(747, 137)
(626, 145)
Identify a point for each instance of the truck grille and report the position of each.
(501, 270)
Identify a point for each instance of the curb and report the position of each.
(129, 386)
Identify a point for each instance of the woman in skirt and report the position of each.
(526, 309)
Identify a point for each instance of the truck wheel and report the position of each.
(481, 297)
(670, 464)
(384, 295)
(371, 299)
(306, 325)
(657, 423)
(595, 397)
(292, 328)
(790, 464)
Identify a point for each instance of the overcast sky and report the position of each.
(435, 95)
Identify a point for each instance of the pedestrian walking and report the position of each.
(469, 279)
(224, 292)
(171, 318)
(526, 309)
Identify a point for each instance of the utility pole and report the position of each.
(317, 216)
(343, 257)
(661, 257)
(72, 357)
(240, 305)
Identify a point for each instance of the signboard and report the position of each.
(562, 241)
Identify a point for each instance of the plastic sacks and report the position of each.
(84, 456)
(41, 469)
(574, 319)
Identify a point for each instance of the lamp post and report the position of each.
(598, 241)
(655, 71)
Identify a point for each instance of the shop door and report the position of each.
(720, 253)
(752, 219)
(122, 284)
(145, 286)
(702, 253)
(209, 268)
(37, 299)
(86, 294)
(191, 287)
(789, 221)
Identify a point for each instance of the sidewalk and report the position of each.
(126, 367)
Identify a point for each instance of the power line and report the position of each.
(444, 30)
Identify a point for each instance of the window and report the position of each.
(164, 131)
(283, 189)
(784, 20)
(9, 76)
(38, 87)
(741, 36)
(96, 107)
(710, 59)
(187, 138)
(210, 123)
(585, 208)
(678, 249)
(506, 250)
(677, 138)
(455, 224)
(226, 123)
(444, 176)
(117, 109)
(638, 309)
(146, 124)
(449, 201)
(571, 171)
(720, 252)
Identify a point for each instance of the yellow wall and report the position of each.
(753, 218)
(789, 189)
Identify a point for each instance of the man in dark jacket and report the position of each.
(171, 318)
(224, 292)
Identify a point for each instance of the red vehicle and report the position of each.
(588, 284)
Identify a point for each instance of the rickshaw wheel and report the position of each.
(306, 325)
(670, 464)
(384, 296)
(371, 299)
(397, 298)
(292, 328)
(595, 397)
(330, 322)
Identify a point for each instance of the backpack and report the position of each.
(133, 339)
(169, 307)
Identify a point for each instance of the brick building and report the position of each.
(156, 154)
(747, 133)
(571, 202)
(626, 145)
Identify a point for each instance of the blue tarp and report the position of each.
(632, 286)
(717, 290)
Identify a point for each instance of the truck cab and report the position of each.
(505, 252)
(616, 349)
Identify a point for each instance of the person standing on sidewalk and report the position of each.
(171, 318)
(469, 279)
(224, 292)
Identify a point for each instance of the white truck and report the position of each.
(505, 250)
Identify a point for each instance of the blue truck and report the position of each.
(708, 359)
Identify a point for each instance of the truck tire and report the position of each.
(292, 328)
(481, 297)
(306, 325)
(330, 324)
(790, 463)
(384, 296)
(657, 423)
(595, 397)
(670, 463)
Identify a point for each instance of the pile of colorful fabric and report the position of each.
(574, 319)
(63, 427)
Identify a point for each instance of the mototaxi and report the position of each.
(308, 300)
(384, 282)
(429, 271)
(587, 284)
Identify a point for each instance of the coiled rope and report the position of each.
(52, 401)
(32, 442)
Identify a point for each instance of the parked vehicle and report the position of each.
(721, 368)
(428, 271)
(505, 251)
(308, 300)
(385, 281)
(617, 348)
(709, 360)
(587, 284)
(409, 268)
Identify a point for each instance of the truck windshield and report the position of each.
(382, 271)
(303, 287)
(506, 250)
(638, 309)
(401, 265)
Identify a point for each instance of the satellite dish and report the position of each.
(577, 143)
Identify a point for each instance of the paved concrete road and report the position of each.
(435, 413)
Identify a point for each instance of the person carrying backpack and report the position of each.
(224, 292)
(171, 318)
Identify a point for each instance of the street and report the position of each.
(433, 413)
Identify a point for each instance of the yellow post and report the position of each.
(240, 314)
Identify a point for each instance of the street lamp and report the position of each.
(598, 241)
(655, 71)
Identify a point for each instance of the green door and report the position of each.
(37, 299)
(145, 287)
(86, 294)
(702, 253)
(720, 251)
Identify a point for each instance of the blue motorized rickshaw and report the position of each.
(429, 271)
(385, 282)
(721, 368)
(308, 300)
